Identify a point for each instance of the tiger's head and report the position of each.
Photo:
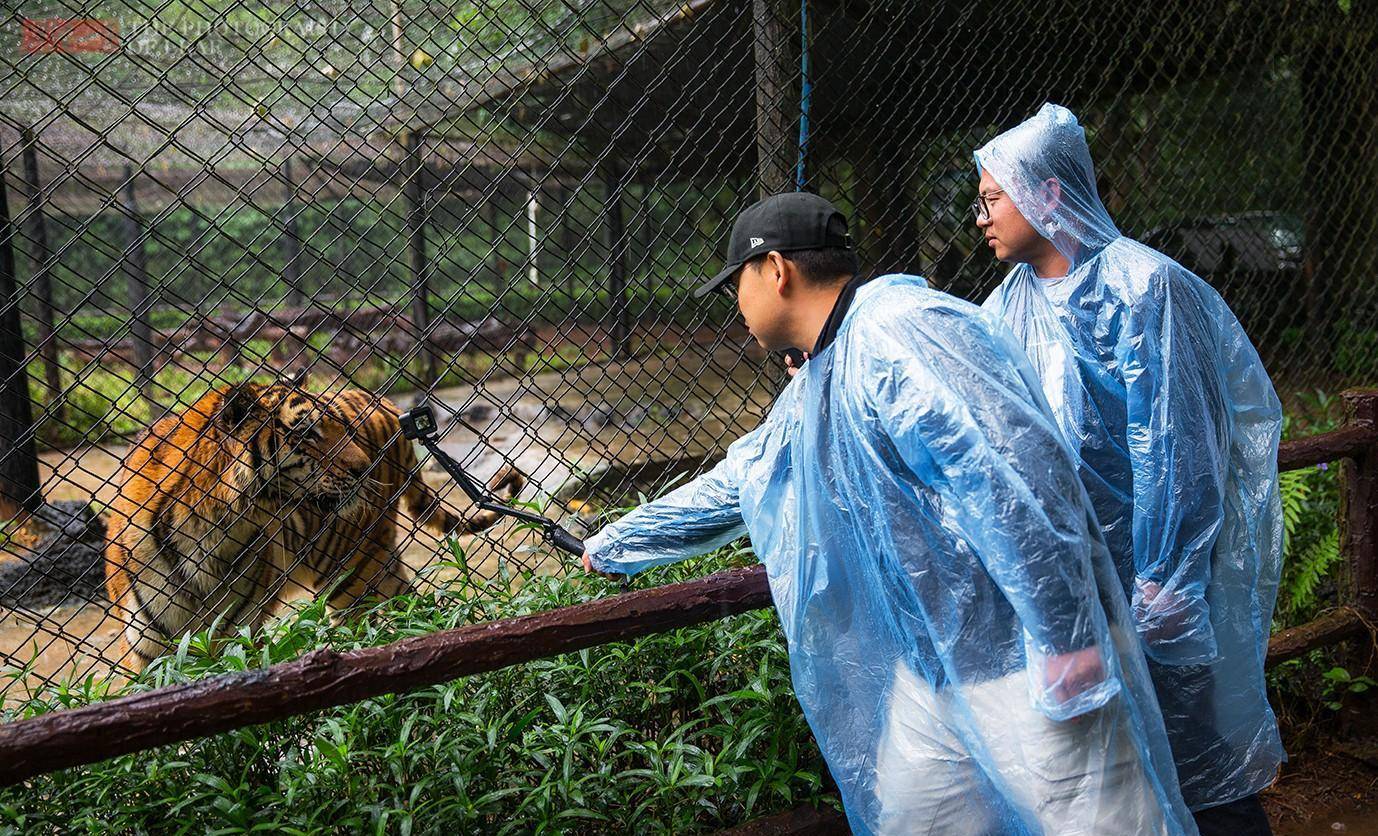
(290, 447)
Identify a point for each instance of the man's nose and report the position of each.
(983, 221)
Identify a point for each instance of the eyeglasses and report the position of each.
(729, 287)
(980, 207)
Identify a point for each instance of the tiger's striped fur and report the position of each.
(254, 487)
(317, 541)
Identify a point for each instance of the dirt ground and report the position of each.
(1329, 789)
(508, 420)
(77, 640)
(513, 422)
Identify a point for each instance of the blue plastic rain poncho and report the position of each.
(933, 560)
(1176, 424)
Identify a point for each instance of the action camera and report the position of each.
(418, 422)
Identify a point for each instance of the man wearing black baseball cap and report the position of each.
(788, 223)
(799, 244)
(951, 611)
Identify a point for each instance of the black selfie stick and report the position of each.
(418, 424)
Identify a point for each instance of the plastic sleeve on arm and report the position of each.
(1177, 431)
(691, 520)
(992, 458)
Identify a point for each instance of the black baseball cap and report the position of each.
(783, 223)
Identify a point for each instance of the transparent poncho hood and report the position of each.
(1044, 166)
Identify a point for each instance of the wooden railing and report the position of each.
(1355, 445)
(326, 678)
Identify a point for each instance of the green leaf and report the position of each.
(582, 813)
(556, 706)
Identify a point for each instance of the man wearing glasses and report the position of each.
(1176, 426)
(958, 638)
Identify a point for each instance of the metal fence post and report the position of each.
(136, 270)
(567, 241)
(497, 268)
(291, 240)
(617, 268)
(534, 247)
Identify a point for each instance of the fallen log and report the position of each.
(1343, 623)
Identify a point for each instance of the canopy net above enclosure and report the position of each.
(501, 207)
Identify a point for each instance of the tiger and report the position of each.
(257, 486)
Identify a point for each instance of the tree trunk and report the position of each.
(19, 486)
(617, 266)
(1339, 79)
(40, 258)
(416, 227)
(774, 148)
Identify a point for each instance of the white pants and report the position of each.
(1081, 776)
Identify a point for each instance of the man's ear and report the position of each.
(1052, 194)
(779, 272)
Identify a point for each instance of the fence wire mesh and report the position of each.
(500, 207)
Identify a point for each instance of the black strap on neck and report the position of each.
(839, 313)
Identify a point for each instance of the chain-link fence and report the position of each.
(501, 206)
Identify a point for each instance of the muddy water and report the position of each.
(562, 429)
(1344, 822)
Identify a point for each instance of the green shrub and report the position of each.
(686, 731)
(1356, 351)
(1310, 510)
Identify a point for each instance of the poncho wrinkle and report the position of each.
(1176, 427)
(932, 556)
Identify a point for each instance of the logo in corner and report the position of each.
(69, 34)
(756, 242)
